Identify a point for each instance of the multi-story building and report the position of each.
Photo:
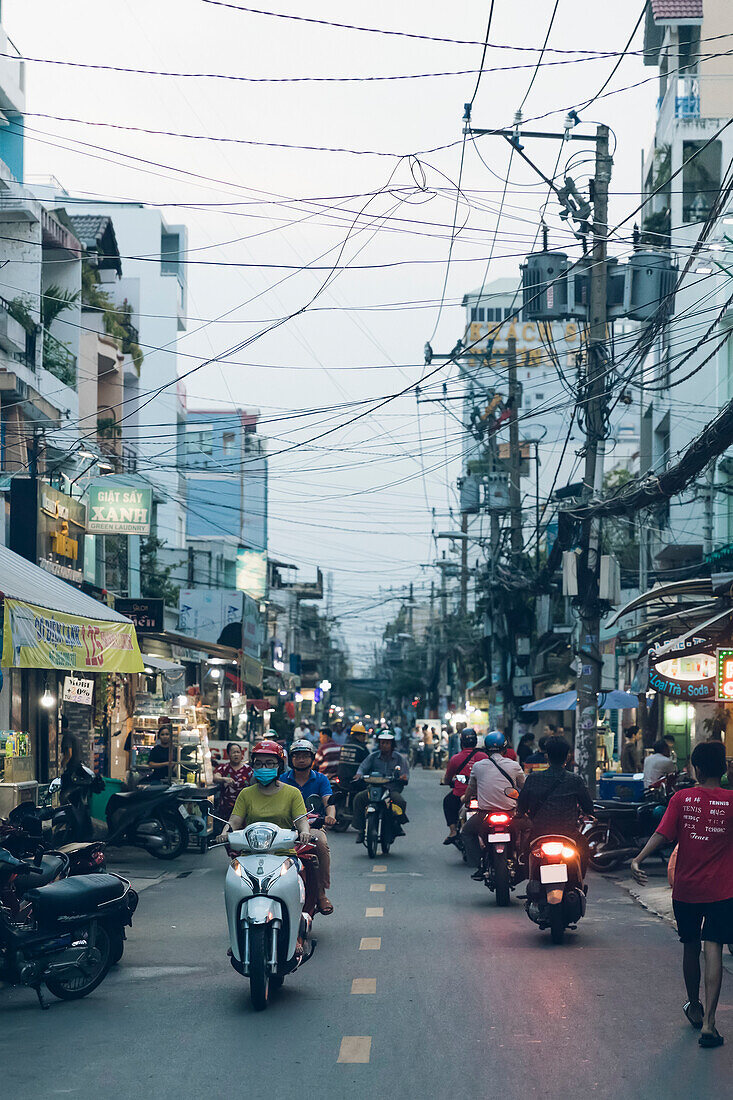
(224, 461)
(689, 374)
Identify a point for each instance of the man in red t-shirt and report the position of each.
(459, 765)
(700, 821)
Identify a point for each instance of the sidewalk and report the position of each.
(656, 897)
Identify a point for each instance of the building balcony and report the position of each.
(59, 361)
(17, 204)
(17, 340)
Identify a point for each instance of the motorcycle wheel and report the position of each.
(386, 844)
(599, 857)
(176, 835)
(557, 924)
(259, 977)
(116, 945)
(501, 878)
(71, 989)
(372, 835)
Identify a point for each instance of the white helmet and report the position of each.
(302, 746)
(385, 735)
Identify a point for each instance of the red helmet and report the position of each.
(274, 749)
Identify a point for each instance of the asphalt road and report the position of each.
(460, 998)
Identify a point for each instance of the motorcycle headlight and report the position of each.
(260, 837)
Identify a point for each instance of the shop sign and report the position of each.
(147, 615)
(252, 572)
(119, 508)
(78, 691)
(47, 527)
(35, 637)
(725, 675)
(685, 676)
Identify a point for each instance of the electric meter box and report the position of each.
(544, 287)
(650, 279)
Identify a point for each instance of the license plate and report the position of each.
(553, 872)
(499, 838)
(183, 811)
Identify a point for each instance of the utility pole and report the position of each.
(515, 457)
(464, 564)
(589, 679)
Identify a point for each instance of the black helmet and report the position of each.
(469, 740)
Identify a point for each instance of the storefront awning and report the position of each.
(160, 664)
(607, 700)
(50, 624)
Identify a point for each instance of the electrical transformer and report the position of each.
(544, 287)
(650, 281)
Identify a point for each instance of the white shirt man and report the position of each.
(658, 764)
(491, 784)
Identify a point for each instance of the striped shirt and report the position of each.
(327, 759)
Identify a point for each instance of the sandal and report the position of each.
(325, 907)
(710, 1039)
(299, 949)
(687, 1009)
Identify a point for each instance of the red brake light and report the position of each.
(552, 848)
(473, 804)
(499, 819)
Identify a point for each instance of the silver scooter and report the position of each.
(269, 905)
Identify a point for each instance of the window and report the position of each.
(199, 441)
(227, 443)
(700, 178)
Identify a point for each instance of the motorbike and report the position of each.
(153, 817)
(343, 800)
(619, 829)
(66, 941)
(382, 814)
(499, 861)
(269, 910)
(556, 894)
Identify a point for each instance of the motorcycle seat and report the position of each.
(79, 846)
(74, 896)
(125, 800)
(50, 865)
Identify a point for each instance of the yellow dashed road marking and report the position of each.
(364, 985)
(376, 912)
(370, 943)
(355, 1048)
(379, 867)
(378, 887)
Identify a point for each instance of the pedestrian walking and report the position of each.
(700, 822)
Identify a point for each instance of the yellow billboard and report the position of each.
(36, 637)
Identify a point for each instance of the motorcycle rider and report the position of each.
(553, 798)
(268, 799)
(352, 754)
(459, 764)
(382, 762)
(488, 783)
(309, 782)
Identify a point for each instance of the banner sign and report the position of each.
(116, 508)
(35, 637)
(78, 691)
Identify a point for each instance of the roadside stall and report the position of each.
(58, 643)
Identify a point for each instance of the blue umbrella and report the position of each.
(567, 700)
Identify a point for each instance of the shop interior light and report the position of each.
(325, 685)
(48, 698)
(149, 670)
(282, 691)
(298, 697)
(215, 673)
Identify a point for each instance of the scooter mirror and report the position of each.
(54, 786)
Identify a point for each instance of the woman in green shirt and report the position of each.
(268, 799)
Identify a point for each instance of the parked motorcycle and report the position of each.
(556, 895)
(498, 859)
(382, 814)
(153, 817)
(619, 830)
(66, 940)
(270, 927)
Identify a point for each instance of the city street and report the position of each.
(439, 992)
